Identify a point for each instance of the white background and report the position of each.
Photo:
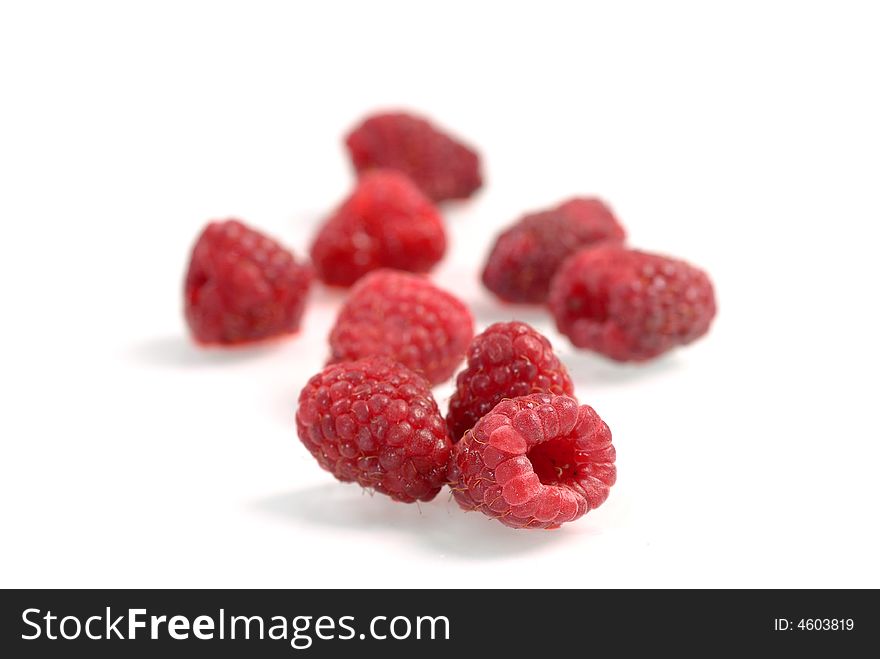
(744, 137)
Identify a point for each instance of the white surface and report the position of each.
(743, 138)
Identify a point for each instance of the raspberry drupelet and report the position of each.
(534, 462)
(242, 287)
(405, 317)
(507, 360)
(385, 223)
(630, 305)
(527, 254)
(442, 167)
(374, 422)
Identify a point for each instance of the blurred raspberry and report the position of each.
(442, 167)
(407, 318)
(505, 361)
(534, 462)
(375, 422)
(630, 305)
(385, 223)
(242, 286)
(527, 254)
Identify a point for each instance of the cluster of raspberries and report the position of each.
(626, 304)
(514, 443)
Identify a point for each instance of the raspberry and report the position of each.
(526, 255)
(242, 287)
(630, 305)
(534, 462)
(442, 167)
(374, 422)
(385, 223)
(505, 361)
(407, 318)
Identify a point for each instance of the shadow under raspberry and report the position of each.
(180, 352)
(588, 369)
(439, 527)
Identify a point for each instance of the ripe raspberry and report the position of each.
(506, 361)
(374, 422)
(526, 255)
(534, 462)
(407, 318)
(242, 286)
(385, 223)
(630, 305)
(442, 167)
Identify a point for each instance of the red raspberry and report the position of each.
(385, 223)
(507, 360)
(441, 166)
(534, 462)
(404, 317)
(374, 422)
(242, 286)
(526, 255)
(630, 305)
